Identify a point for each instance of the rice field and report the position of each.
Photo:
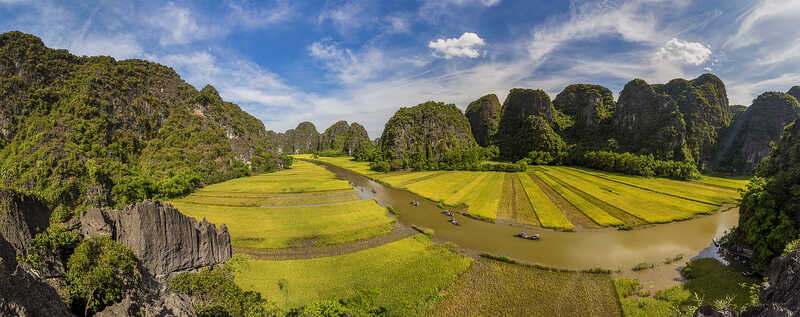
(564, 198)
(493, 288)
(546, 211)
(285, 227)
(405, 273)
(597, 214)
(302, 177)
(341, 161)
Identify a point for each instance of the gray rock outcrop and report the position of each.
(163, 240)
(21, 293)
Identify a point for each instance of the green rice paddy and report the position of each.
(405, 273)
(284, 227)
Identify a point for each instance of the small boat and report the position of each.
(455, 222)
(448, 213)
(526, 236)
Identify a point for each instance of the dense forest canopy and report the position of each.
(93, 131)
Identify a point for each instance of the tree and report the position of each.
(99, 273)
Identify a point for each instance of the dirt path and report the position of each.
(400, 232)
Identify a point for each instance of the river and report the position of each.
(607, 248)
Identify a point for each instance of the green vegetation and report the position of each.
(270, 199)
(93, 131)
(546, 211)
(497, 288)
(769, 206)
(53, 241)
(406, 273)
(709, 282)
(429, 136)
(343, 139)
(284, 227)
(643, 165)
(99, 273)
(215, 293)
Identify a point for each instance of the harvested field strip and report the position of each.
(679, 189)
(493, 288)
(405, 273)
(400, 232)
(652, 207)
(628, 219)
(484, 199)
(507, 209)
(284, 227)
(524, 210)
(313, 198)
(682, 205)
(302, 177)
(597, 214)
(547, 212)
(575, 216)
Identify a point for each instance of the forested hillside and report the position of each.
(93, 131)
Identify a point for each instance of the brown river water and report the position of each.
(607, 248)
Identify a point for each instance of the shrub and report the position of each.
(216, 294)
(53, 241)
(99, 273)
(643, 165)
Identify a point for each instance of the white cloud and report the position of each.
(120, 46)
(255, 17)
(178, 25)
(681, 51)
(762, 13)
(398, 24)
(442, 3)
(464, 46)
(344, 17)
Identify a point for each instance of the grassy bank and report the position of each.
(708, 282)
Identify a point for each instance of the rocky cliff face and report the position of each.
(590, 107)
(302, 140)
(163, 240)
(425, 133)
(98, 121)
(649, 122)
(747, 141)
(519, 105)
(22, 293)
(344, 138)
(703, 102)
(795, 92)
(484, 117)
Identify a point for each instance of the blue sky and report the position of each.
(322, 61)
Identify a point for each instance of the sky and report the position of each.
(322, 61)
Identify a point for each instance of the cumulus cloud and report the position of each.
(464, 46)
(681, 51)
